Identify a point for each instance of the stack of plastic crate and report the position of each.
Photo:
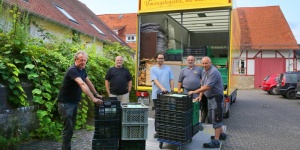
(196, 124)
(107, 125)
(134, 126)
(174, 117)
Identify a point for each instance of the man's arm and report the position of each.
(200, 90)
(179, 84)
(159, 85)
(92, 87)
(86, 90)
(107, 87)
(129, 85)
(172, 85)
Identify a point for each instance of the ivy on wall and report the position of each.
(44, 65)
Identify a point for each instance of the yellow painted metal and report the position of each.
(150, 6)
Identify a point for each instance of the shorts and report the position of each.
(215, 110)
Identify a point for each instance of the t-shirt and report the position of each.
(118, 80)
(212, 78)
(163, 75)
(190, 78)
(70, 90)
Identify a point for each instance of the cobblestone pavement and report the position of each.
(258, 121)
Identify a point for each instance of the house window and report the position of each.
(130, 38)
(239, 66)
(65, 13)
(95, 27)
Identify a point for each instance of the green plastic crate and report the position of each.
(195, 112)
(223, 71)
(219, 61)
(225, 80)
(174, 51)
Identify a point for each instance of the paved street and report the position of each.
(258, 121)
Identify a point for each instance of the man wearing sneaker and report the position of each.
(212, 87)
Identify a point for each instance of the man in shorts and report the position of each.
(212, 88)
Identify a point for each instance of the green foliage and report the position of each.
(43, 64)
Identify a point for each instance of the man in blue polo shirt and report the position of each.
(212, 87)
(190, 77)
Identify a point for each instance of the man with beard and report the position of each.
(162, 80)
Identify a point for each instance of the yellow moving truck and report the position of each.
(187, 27)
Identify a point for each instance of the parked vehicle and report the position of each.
(161, 28)
(288, 83)
(269, 84)
(298, 90)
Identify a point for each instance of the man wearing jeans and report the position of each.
(75, 81)
(212, 87)
(162, 80)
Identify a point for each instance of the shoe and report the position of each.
(155, 135)
(222, 137)
(200, 127)
(212, 144)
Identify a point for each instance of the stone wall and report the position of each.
(22, 120)
(245, 82)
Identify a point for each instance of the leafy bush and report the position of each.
(44, 65)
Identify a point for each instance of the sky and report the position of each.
(290, 9)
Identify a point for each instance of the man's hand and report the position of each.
(97, 101)
(191, 92)
(197, 99)
(179, 91)
(98, 96)
(164, 90)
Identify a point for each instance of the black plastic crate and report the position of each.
(173, 133)
(105, 144)
(111, 109)
(171, 103)
(180, 119)
(132, 144)
(107, 129)
(195, 51)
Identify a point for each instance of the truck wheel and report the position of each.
(291, 94)
(273, 91)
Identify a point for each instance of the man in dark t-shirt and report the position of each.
(75, 81)
(118, 81)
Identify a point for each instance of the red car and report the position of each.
(270, 84)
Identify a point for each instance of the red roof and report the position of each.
(124, 23)
(265, 28)
(80, 12)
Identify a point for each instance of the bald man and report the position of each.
(212, 88)
(118, 81)
(190, 77)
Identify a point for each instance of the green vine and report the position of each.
(43, 64)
